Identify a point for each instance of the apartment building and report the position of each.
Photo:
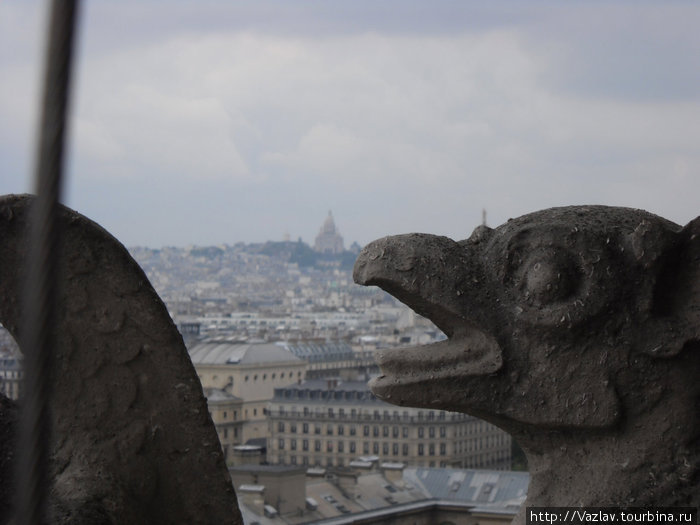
(248, 372)
(331, 423)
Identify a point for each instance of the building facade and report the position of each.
(248, 372)
(331, 423)
(226, 412)
(11, 374)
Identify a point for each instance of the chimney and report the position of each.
(393, 472)
(253, 497)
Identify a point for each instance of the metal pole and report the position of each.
(37, 329)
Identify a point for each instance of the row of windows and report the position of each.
(483, 461)
(395, 449)
(223, 434)
(225, 414)
(272, 376)
(330, 412)
(367, 430)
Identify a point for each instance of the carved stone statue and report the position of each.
(576, 330)
(133, 441)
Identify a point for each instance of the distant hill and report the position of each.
(301, 253)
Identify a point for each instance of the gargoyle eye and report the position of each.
(548, 278)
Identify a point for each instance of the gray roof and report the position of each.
(327, 351)
(480, 487)
(223, 353)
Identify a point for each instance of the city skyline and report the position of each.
(210, 123)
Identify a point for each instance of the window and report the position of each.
(395, 432)
(385, 431)
(352, 430)
(420, 449)
(443, 449)
(352, 447)
(365, 448)
(225, 414)
(365, 430)
(375, 431)
(317, 429)
(329, 446)
(385, 449)
(340, 446)
(317, 445)
(329, 430)
(443, 432)
(421, 432)
(395, 449)
(305, 428)
(404, 432)
(431, 432)
(404, 449)
(293, 444)
(305, 445)
(431, 449)
(293, 428)
(281, 444)
(375, 447)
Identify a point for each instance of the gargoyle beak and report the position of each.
(414, 269)
(431, 275)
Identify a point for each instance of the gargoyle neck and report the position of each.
(637, 463)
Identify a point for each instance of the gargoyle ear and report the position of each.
(480, 234)
(649, 242)
(674, 316)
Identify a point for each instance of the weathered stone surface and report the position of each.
(133, 440)
(575, 329)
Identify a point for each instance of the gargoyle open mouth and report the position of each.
(413, 268)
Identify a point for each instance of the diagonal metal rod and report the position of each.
(37, 330)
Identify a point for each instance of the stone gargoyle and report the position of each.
(132, 438)
(576, 330)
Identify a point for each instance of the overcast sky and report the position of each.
(217, 122)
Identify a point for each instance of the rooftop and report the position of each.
(219, 352)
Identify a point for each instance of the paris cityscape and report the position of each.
(282, 341)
